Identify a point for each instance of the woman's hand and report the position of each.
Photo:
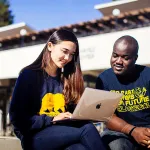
(62, 116)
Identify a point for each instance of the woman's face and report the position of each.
(62, 53)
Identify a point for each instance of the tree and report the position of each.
(6, 16)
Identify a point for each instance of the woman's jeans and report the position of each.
(63, 137)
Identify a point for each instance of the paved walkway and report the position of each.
(9, 143)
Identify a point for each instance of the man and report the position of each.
(129, 128)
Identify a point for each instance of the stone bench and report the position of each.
(10, 143)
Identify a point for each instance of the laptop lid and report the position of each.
(96, 105)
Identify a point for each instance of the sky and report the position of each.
(45, 14)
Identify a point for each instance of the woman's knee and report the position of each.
(89, 127)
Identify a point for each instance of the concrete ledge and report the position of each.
(9, 143)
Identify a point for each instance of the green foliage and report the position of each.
(6, 16)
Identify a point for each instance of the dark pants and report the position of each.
(119, 141)
(63, 137)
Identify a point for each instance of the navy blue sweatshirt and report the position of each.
(134, 106)
(36, 99)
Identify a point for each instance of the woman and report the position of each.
(47, 91)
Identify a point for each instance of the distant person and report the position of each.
(129, 128)
(9, 127)
(43, 93)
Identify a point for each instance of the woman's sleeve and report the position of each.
(22, 103)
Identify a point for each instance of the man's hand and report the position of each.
(62, 116)
(142, 136)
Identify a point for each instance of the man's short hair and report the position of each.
(130, 41)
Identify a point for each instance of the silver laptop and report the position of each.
(96, 105)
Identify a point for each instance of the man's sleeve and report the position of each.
(99, 83)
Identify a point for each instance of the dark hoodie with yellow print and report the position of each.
(36, 99)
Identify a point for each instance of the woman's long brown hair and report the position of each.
(71, 77)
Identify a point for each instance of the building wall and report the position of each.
(95, 52)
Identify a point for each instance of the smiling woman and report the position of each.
(62, 53)
(43, 94)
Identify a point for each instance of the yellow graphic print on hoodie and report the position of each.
(52, 104)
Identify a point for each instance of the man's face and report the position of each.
(123, 59)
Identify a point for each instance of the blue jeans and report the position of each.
(114, 140)
(63, 137)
